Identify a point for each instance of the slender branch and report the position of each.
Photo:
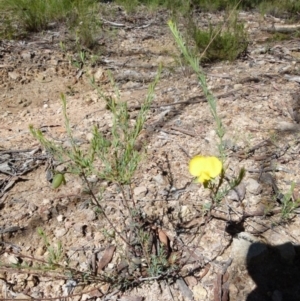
(97, 203)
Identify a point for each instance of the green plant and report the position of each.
(85, 22)
(194, 62)
(226, 4)
(288, 9)
(207, 168)
(55, 253)
(225, 41)
(62, 46)
(79, 60)
(8, 30)
(36, 15)
(175, 6)
(118, 158)
(113, 158)
(288, 204)
(219, 191)
(159, 263)
(118, 153)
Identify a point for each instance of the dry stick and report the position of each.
(169, 290)
(103, 212)
(59, 297)
(192, 100)
(42, 262)
(124, 197)
(16, 151)
(183, 131)
(189, 101)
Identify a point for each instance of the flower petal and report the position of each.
(204, 177)
(196, 165)
(214, 166)
(205, 168)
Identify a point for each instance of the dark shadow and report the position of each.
(276, 272)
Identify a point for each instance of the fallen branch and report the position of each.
(282, 28)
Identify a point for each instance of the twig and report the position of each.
(13, 151)
(192, 100)
(115, 24)
(184, 151)
(96, 202)
(187, 132)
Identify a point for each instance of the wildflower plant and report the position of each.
(206, 169)
(114, 158)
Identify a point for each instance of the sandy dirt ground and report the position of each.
(240, 250)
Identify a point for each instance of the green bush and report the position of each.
(36, 15)
(221, 43)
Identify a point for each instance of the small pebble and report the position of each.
(253, 186)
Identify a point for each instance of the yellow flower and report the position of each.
(205, 168)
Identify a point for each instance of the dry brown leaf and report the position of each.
(163, 238)
(218, 288)
(191, 281)
(106, 258)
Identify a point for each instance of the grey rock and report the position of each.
(4, 167)
(27, 55)
(246, 248)
(199, 292)
(184, 289)
(159, 179)
(232, 195)
(253, 186)
(90, 215)
(238, 193)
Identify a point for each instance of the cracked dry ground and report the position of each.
(241, 250)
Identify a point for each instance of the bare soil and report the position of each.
(241, 250)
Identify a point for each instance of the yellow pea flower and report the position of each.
(205, 168)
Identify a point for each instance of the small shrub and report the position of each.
(289, 9)
(36, 15)
(221, 43)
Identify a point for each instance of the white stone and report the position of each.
(89, 136)
(60, 218)
(60, 232)
(184, 211)
(13, 259)
(138, 191)
(99, 74)
(40, 251)
(199, 292)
